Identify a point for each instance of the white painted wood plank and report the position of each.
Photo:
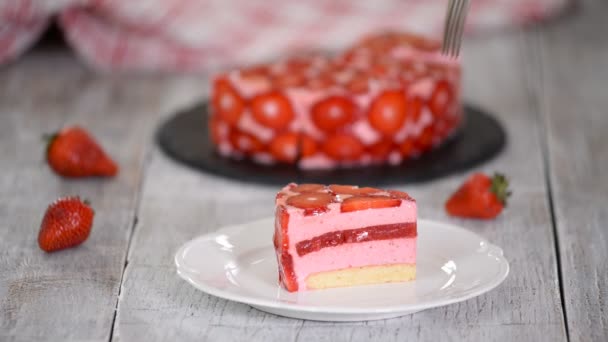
(574, 105)
(178, 204)
(69, 295)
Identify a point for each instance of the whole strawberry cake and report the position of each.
(342, 235)
(389, 98)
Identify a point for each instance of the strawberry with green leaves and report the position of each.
(73, 152)
(480, 197)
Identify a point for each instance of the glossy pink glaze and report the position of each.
(314, 225)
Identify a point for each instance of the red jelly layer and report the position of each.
(287, 275)
(371, 233)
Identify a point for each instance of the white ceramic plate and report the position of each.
(238, 263)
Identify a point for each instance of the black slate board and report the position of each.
(185, 138)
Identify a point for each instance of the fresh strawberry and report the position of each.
(312, 202)
(245, 142)
(219, 130)
(272, 110)
(343, 147)
(352, 190)
(479, 197)
(305, 188)
(388, 112)
(368, 202)
(66, 223)
(285, 147)
(441, 98)
(426, 139)
(333, 112)
(308, 146)
(72, 152)
(227, 102)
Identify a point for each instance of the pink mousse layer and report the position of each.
(309, 227)
(380, 252)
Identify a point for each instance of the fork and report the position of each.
(454, 27)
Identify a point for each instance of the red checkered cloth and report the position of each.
(199, 35)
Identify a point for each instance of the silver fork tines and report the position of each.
(454, 27)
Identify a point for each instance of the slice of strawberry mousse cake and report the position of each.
(342, 235)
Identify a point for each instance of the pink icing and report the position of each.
(379, 252)
(405, 53)
(422, 88)
(249, 125)
(367, 135)
(249, 88)
(318, 161)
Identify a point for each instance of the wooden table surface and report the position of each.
(548, 85)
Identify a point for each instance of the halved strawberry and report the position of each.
(298, 63)
(378, 70)
(381, 149)
(308, 146)
(442, 129)
(408, 148)
(313, 203)
(441, 98)
(218, 129)
(400, 195)
(285, 147)
(352, 190)
(333, 112)
(227, 102)
(272, 110)
(343, 147)
(388, 112)
(245, 142)
(414, 109)
(448, 125)
(321, 82)
(303, 188)
(368, 202)
(255, 72)
(358, 84)
(289, 80)
(425, 141)
(280, 237)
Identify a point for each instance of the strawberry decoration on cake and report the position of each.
(389, 98)
(342, 235)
